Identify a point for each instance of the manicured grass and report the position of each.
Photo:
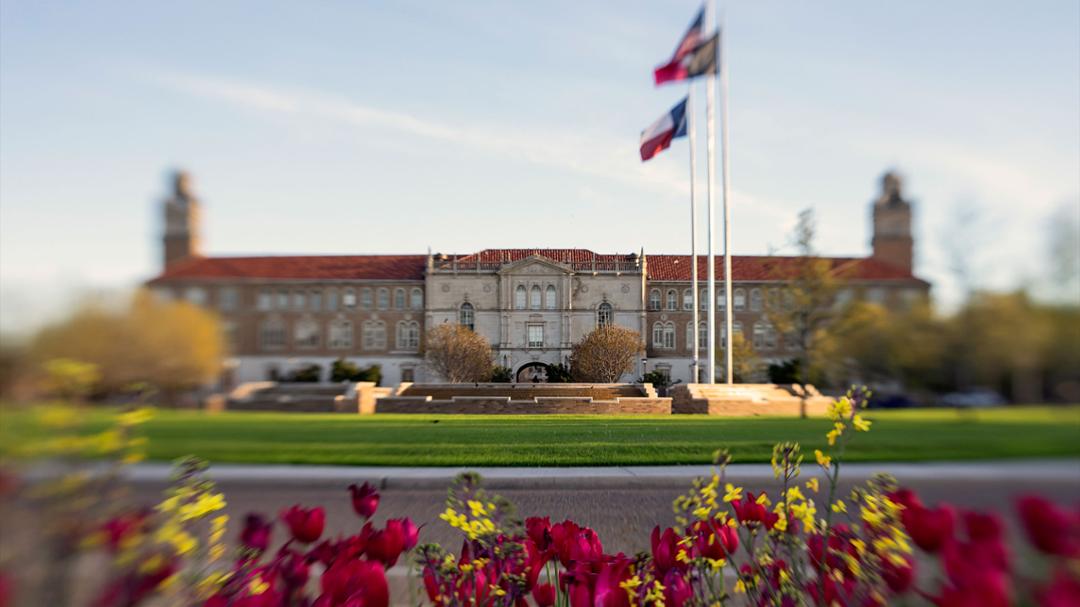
(547, 440)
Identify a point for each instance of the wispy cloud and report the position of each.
(595, 156)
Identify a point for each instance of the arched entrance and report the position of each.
(532, 373)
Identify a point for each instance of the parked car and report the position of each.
(972, 399)
(891, 401)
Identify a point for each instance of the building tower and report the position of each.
(182, 222)
(892, 242)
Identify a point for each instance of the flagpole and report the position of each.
(696, 366)
(726, 185)
(710, 101)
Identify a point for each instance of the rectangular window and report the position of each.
(536, 336)
(315, 301)
(299, 300)
(265, 301)
(408, 374)
(282, 300)
(228, 298)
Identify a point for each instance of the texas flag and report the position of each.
(690, 58)
(658, 136)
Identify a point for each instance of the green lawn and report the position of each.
(544, 440)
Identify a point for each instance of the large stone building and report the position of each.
(283, 313)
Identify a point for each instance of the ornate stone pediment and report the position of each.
(535, 264)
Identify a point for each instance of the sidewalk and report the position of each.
(1028, 470)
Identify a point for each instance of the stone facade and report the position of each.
(284, 313)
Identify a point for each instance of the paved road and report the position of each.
(622, 504)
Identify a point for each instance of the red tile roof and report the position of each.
(772, 267)
(411, 267)
(566, 256)
(306, 267)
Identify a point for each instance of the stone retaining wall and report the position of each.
(499, 405)
(743, 400)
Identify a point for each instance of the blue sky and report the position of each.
(350, 127)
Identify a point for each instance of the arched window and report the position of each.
(604, 315)
(672, 299)
(519, 297)
(721, 300)
(374, 335)
(534, 297)
(306, 333)
(669, 335)
(466, 317)
(755, 300)
(367, 300)
(416, 299)
(382, 298)
(739, 302)
(348, 297)
(703, 300)
(340, 334)
(772, 300)
(688, 299)
(770, 336)
(550, 298)
(272, 334)
(399, 299)
(690, 335)
(408, 335)
(654, 299)
(703, 335)
(664, 335)
(759, 335)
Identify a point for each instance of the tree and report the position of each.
(502, 375)
(172, 346)
(806, 307)
(458, 354)
(745, 363)
(559, 374)
(71, 379)
(605, 354)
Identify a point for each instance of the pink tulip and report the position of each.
(365, 499)
(305, 524)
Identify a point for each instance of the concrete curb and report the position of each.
(1060, 471)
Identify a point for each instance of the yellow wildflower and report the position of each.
(861, 424)
(732, 493)
(839, 506)
(823, 460)
(812, 484)
(740, 587)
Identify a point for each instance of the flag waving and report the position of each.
(703, 59)
(658, 136)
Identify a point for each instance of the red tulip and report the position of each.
(905, 497)
(929, 528)
(715, 540)
(122, 527)
(608, 591)
(984, 589)
(295, 570)
(983, 526)
(748, 511)
(6, 590)
(539, 531)
(1049, 528)
(256, 533)
(365, 499)
(431, 585)
(1063, 590)
(305, 524)
(676, 590)
(355, 583)
(665, 547)
(544, 595)
(898, 577)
